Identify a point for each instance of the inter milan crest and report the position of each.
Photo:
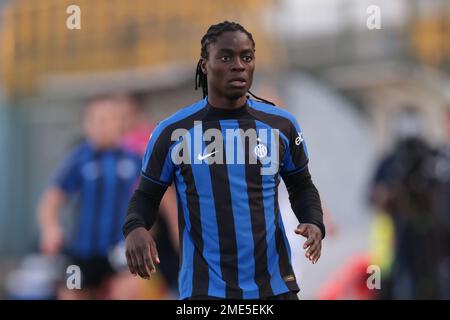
(260, 150)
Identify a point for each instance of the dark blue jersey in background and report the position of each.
(103, 181)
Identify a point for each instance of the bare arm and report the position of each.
(51, 235)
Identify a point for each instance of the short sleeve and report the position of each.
(157, 164)
(295, 157)
(67, 176)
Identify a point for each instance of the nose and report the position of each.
(238, 65)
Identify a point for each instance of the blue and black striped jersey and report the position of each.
(103, 181)
(232, 238)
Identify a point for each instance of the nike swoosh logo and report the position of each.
(202, 157)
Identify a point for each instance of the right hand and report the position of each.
(51, 240)
(141, 253)
(314, 242)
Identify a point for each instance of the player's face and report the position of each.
(103, 124)
(230, 65)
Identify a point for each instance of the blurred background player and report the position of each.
(403, 188)
(101, 174)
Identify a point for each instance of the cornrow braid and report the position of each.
(214, 31)
(200, 79)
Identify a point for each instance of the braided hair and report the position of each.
(214, 31)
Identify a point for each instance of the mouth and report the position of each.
(238, 82)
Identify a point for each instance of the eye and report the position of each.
(225, 58)
(247, 58)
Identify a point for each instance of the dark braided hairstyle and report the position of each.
(214, 31)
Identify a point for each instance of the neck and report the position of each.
(225, 103)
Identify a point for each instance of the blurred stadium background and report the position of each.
(344, 82)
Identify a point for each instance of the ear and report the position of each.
(203, 66)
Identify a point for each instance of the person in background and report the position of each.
(403, 187)
(100, 176)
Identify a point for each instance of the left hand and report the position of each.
(313, 242)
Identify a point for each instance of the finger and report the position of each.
(148, 262)
(317, 258)
(149, 265)
(313, 256)
(154, 252)
(315, 249)
(314, 246)
(312, 249)
(134, 263)
(307, 243)
(142, 270)
(130, 263)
